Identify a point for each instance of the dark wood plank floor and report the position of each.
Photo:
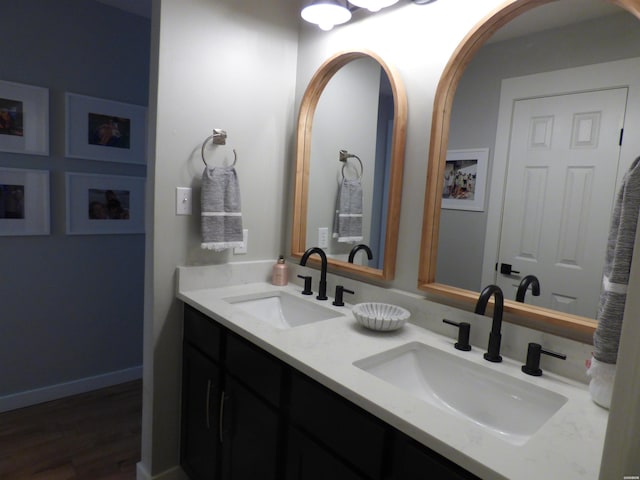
(92, 436)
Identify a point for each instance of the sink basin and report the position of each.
(506, 406)
(282, 310)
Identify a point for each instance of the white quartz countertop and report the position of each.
(568, 446)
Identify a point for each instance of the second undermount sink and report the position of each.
(504, 405)
(282, 310)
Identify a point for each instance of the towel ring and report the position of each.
(344, 156)
(219, 137)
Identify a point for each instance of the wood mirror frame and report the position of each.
(303, 156)
(566, 325)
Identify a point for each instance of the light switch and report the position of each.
(245, 239)
(323, 237)
(183, 201)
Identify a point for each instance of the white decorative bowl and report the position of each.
(380, 316)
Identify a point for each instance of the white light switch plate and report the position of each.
(323, 237)
(245, 239)
(183, 201)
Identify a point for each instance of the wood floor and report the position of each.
(92, 436)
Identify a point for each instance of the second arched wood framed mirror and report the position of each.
(354, 103)
(476, 45)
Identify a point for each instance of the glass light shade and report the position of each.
(326, 13)
(373, 5)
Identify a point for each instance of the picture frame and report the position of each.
(24, 118)
(104, 204)
(105, 130)
(465, 179)
(24, 202)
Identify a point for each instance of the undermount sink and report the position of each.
(282, 310)
(506, 406)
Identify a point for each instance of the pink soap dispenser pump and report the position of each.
(280, 273)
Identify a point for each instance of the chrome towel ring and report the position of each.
(344, 156)
(219, 137)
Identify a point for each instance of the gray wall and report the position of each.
(474, 116)
(71, 305)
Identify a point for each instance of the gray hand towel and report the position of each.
(347, 222)
(221, 214)
(613, 296)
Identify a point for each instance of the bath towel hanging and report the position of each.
(221, 209)
(622, 233)
(347, 221)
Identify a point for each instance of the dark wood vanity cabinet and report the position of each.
(201, 392)
(413, 461)
(247, 415)
(230, 405)
(352, 437)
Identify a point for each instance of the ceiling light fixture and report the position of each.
(373, 5)
(326, 13)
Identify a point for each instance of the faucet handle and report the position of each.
(338, 302)
(307, 284)
(464, 329)
(532, 366)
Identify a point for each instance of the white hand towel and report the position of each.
(347, 223)
(221, 213)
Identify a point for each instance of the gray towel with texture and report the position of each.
(622, 234)
(221, 214)
(347, 222)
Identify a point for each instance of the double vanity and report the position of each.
(414, 401)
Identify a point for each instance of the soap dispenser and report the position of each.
(280, 273)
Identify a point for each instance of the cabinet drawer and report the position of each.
(254, 367)
(344, 428)
(202, 332)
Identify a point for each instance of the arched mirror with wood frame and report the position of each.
(541, 318)
(354, 103)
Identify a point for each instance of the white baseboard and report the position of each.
(175, 473)
(61, 390)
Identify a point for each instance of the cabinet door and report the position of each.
(340, 426)
(200, 421)
(306, 460)
(250, 435)
(413, 461)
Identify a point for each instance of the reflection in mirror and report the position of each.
(349, 167)
(546, 219)
(354, 113)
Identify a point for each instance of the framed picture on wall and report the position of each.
(24, 118)
(104, 204)
(98, 129)
(465, 179)
(24, 202)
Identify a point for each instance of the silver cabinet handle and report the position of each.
(221, 416)
(206, 410)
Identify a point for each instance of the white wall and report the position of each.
(226, 64)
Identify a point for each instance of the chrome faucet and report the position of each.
(355, 250)
(524, 285)
(493, 349)
(322, 288)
